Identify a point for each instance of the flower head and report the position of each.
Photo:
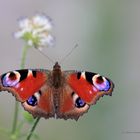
(35, 31)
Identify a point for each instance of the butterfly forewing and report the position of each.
(23, 83)
(89, 86)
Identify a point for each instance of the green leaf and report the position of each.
(28, 117)
(13, 137)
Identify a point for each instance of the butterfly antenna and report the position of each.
(45, 55)
(76, 45)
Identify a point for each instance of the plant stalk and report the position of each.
(16, 112)
(33, 128)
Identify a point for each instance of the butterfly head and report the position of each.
(56, 75)
(56, 66)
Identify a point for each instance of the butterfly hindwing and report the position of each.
(70, 104)
(41, 103)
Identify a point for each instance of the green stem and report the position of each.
(33, 128)
(22, 65)
(24, 53)
(15, 117)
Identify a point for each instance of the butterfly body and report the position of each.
(56, 93)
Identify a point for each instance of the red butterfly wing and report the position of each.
(41, 103)
(90, 86)
(23, 83)
(68, 107)
(79, 91)
(30, 88)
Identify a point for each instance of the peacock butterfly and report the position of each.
(56, 93)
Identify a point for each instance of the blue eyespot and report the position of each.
(101, 83)
(10, 79)
(32, 101)
(79, 103)
(107, 87)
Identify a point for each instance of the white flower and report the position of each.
(35, 31)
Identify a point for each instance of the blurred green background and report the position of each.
(108, 35)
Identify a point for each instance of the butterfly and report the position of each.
(56, 93)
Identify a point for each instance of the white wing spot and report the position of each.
(37, 95)
(90, 92)
(30, 73)
(21, 89)
(83, 75)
